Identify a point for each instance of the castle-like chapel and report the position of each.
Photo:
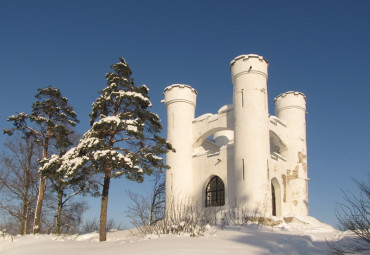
(255, 161)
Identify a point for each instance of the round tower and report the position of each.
(180, 101)
(251, 132)
(291, 108)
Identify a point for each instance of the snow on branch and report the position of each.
(122, 93)
(114, 155)
(115, 120)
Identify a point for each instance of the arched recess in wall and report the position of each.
(204, 136)
(208, 124)
(216, 138)
(276, 197)
(276, 144)
(215, 192)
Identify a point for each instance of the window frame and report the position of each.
(215, 192)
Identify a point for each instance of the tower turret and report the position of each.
(251, 143)
(291, 108)
(180, 101)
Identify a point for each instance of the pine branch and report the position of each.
(124, 139)
(34, 131)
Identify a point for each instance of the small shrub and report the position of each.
(4, 234)
(178, 219)
(92, 225)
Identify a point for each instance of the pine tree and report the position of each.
(124, 138)
(49, 124)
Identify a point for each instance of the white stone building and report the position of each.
(255, 160)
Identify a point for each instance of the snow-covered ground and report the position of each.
(305, 235)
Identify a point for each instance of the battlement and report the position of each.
(296, 93)
(246, 57)
(289, 100)
(180, 93)
(248, 64)
(179, 86)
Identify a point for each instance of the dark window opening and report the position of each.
(215, 192)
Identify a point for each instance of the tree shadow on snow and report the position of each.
(279, 243)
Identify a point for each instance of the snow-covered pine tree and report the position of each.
(124, 138)
(49, 123)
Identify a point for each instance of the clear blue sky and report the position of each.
(321, 48)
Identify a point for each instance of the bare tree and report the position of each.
(48, 124)
(145, 210)
(92, 225)
(9, 225)
(18, 180)
(354, 215)
(69, 218)
(67, 188)
(158, 199)
(68, 212)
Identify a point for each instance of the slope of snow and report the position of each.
(303, 235)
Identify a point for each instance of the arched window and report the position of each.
(215, 192)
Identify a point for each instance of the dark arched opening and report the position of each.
(273, 200)
(275, 197)
(215, 192)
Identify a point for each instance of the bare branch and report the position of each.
(354, 215)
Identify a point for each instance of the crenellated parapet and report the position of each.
(180, 93)
(247, 64)
(288, 100)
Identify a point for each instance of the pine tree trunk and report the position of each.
(59, 212)
(42, 187)
(40, 199)
(26, 196)
(104, 206)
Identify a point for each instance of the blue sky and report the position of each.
(321, 48)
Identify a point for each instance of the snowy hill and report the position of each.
(303, 235)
